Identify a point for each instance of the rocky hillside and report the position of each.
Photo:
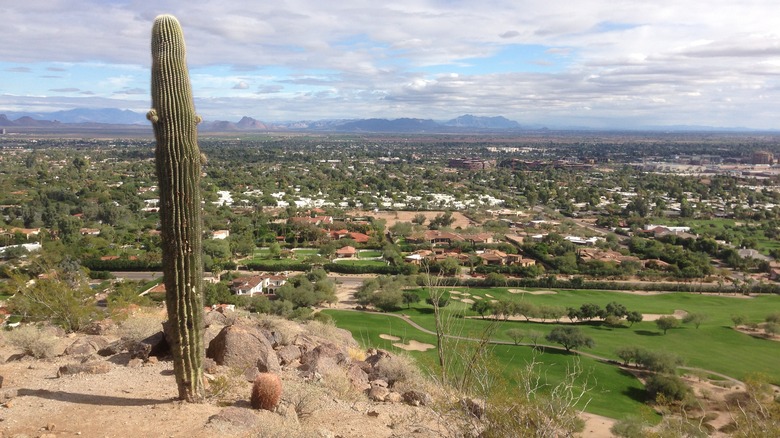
(117, 380)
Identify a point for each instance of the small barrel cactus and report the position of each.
(266, 391)
(178, 162)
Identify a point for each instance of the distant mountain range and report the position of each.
(113, 116)
(114, 119)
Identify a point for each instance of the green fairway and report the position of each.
(613, 393)
(715, 345)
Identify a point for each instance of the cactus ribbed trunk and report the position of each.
(178, 170)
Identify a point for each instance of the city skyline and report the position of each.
(604, 65)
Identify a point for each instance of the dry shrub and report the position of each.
(305, 399)
(140, 326)
(286, 330)
(399, 369)
(356, 353)
(227, 388)
(33, 341)
(330, 332)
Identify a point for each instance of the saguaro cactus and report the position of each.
(178, 170)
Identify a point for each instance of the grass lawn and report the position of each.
(714, 346)
(745, 229)
(369, 253)
(613, 393)
(354, 262)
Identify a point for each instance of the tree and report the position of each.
(66, 302)
(570, 337)
(516, 335)
(633, 317)
(482, 307)
(628, 354)
(669, 386)
(419, 219)
(410, 298)
(667, 322)
(695, 318)
(738, 320)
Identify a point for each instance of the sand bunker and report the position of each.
(679, 314)
(489, 296)
(476, 297)
(455, 292)
(467, 301)
(389, 337)
(414, 346)
(535, 292)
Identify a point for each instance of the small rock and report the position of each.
(208, 365)
(50, 427)
(1, 381)
(394, 397)
(378, 393)
(379, 382)
(7, 394)
(135, 363)
(95, 367)
(152, 360)
(250, 374)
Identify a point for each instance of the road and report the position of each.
(137, 276)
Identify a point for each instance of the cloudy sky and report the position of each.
(597, 63)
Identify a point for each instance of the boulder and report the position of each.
(374, 356)
(417, 398)
(115, 347)
(378, 393)
(92, 367)
(322, 358)
(394, 397)
(86, 345)
(214, 318)
(357, 377)
(243, 347)
(236, 416)
(288, 354)
(155, 345)
(99, 327)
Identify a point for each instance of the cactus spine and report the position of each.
(178, 170)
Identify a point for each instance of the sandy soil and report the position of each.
(596, 426)
(392, 217)
(679, 314)
(389, 337)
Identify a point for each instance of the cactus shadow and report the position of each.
(91, 399)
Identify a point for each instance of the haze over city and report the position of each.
(598, 64)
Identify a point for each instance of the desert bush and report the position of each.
(669, 387)
(305, 399)
(33, 341)
(398, 368)
(140, 327)
(286, 330)
(630, 427)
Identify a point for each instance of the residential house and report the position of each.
(249, 285)
(519, 260)
(493, 257)
(347, 252)
(220, 234)
(89, 231)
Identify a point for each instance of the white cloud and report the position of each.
(666, 61)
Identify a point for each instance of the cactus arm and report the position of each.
(178, 162)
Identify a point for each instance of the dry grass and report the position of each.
(38, 342)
